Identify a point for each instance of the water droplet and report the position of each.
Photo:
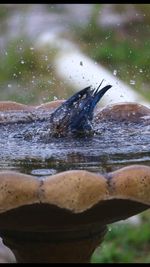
(107, 37)
(132, 82)
(50, 82)
(115, 72)
(46, 58)
(43, 172)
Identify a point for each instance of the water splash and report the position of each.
(29, 148)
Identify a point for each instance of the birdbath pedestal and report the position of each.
(64, 217)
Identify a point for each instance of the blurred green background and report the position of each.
(126, 242)
(115, 35)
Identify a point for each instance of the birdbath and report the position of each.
(63, 217)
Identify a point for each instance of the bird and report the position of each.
(74, 116)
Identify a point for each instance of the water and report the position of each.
(114, 146)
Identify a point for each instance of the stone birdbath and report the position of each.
(62, 217)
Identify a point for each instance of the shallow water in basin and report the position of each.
(114, 146)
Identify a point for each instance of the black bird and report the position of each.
(75, 115)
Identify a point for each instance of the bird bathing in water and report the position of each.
(75, 115)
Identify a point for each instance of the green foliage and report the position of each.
(27, 74)
(3, 13)
(123, 48)
(123, 243)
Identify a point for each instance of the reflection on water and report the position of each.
(114, 146)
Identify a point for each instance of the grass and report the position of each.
(125, 243)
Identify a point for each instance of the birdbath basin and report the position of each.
(58, 196)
